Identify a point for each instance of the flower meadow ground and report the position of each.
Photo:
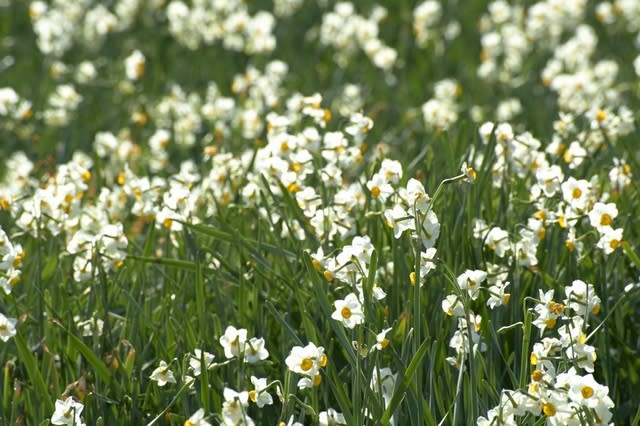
(296, 212)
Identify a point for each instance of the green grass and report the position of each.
(238, 262)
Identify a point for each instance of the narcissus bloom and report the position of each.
(259, 395)
(162, 375)
(197, 419)
(307, 361)
(7, 328)
(348, 311)
(68, 412)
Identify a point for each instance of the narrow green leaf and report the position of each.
(29, 361)
(631, 254)
(178, 263)
(403, 385)
(94, 361)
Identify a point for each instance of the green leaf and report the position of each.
(182, 264)
(96, 363)
(29, 361)
(403, 385)
(631, 254)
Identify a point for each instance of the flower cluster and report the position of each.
(347, 32)
(229, 22)
(563, 395)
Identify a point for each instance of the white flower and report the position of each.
(234, 408)
(255, 351)
(379, 187)
(7, 328)
(348, 311)
(381, 340)
(134, 65)
(259, 395)
(471, 281)
(452, 305)
(331, 418)
(68, 413)
(307, 361)
(233, 341)
(197, 419)
(610, 240)
(195, 361)
(162, 375)
(601, 216)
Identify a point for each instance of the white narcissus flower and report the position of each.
(379, 187)
(582, 297)
(498, 296)
(255, 351)
(233, 341)
(601, 216)
(134, 65)
(452, 306)
(348, 311)
(162, 375)
(576, 193)
(471, 281)
(67, 412)
(307, 361)
(610, 240)
(331, 418)
(195, 361)
(259, 395)
(7, 328)
(381, 340)
(197, 419)
(234, 408)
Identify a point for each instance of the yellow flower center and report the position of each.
(587, 392)
(537, 375)
(596, 309)
(316, 264)
(306, 364)
(605, 220)
(326, 115)
(167, 223)
(293, 187)
(375, 191)
(253, 396)
(317, 379)
(556, 307)
(550, 323)
(548, 409)
(576, 193)
(327, 275)
(345, 312)
(412, 278)
(614, 244)
(533, 359)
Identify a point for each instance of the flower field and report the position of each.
(290, 212)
